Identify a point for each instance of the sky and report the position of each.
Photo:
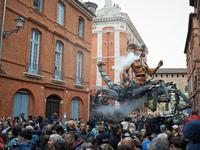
(163, 26)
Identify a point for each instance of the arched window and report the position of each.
(79, 67)
(58, 60)
(60, 14)
(80, 26)
(34, 52)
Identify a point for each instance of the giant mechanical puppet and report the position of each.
(132, 89)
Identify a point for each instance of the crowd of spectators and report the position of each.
(147, 132)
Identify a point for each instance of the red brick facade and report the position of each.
(15, 56)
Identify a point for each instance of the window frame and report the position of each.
(81, 24)
(33, 43)
(60, 12)
(79, 63)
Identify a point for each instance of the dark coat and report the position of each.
(77, 145)
(114, 140)
(83, 136)
(191, 131)
(102, 138)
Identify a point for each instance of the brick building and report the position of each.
(179, 77)
(193, 57)
(112, 31)
(47, 63)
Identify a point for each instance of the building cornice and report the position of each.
(117, 20)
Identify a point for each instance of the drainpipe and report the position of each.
(108, 54)
(4, 11)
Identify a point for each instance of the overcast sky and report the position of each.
(163, 26)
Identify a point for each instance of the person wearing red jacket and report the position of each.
(194, 115)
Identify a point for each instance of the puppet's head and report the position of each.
(138, 49)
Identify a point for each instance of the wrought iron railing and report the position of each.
(79, 80)
(59, 75)
(34, 68)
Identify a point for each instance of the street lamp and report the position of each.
(19, 22)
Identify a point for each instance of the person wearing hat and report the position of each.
(163, 128)
(24, 139)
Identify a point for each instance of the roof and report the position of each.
(171, 71)
(84, 7)
(189, 30)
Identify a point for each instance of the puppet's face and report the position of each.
(138, 51)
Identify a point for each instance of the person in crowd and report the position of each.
(159, 144)
(148, 129)
(73, 140)
(3, 140)
(86, 145)
(116, 137)
(21, 117)
(40, 121)
(106, 147)
(82, 131)
(52, 140)
(58, 129)
(91, 140)
(123, 147)
(102, 137)
(54, 119)
(12, 140)
(143, 137)
(90, 122)
(35, 138)
(194, 115)
(71, 126)
(163, 128)
(7, 127)
(177, 142)
(24, 139)
(147, 143)
(128, 142)
(61, 145)
(88, 128)
(191, 131)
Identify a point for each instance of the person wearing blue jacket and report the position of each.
(191, 130)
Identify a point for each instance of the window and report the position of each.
(80, 27)
(79, 67)
(166, 106)
(186, 88)
(166, 75)
(177, 75)
(156, 75)
(182, 75)
(191, 86)
(34, 52)
(58, 60)
(172, 75)
(38, 5)
(161, 75)
(60, 14)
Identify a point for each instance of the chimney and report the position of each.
(108, 3)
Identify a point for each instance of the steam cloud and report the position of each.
(126, 108)
(126, 61)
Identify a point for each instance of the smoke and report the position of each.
(126, 61)
(108, 111)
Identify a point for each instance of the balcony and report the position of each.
(34, 71)
(59, 77)
(79, 82)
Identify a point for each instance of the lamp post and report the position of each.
(19, 22)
